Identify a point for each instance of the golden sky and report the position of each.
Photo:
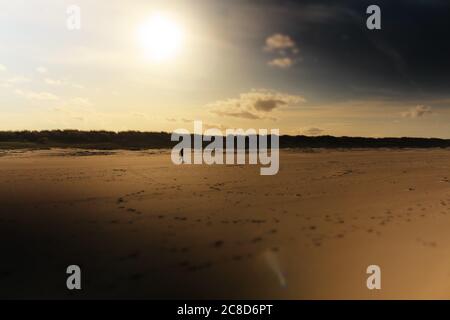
(159, 65)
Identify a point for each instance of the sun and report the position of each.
(161, 37)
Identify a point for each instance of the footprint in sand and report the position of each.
(430, 244)
(218, 244)
(258, 221)
(131, 256)
(184, 263)
(200, 266)
(136, 276)
(5, 273)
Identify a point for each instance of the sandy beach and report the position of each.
(141, 227)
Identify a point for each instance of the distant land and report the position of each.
(137, 140)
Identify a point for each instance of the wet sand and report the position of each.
(141, 227)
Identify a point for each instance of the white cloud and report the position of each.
(279, 42)
(256, 104)
(53, 82)
(41, 96)
(285, 48)
(82, 102)
(2, 68)
(282, 63)
(418, 112)
(75, 104)
(41, 70)
(59, 82)
(18, 80)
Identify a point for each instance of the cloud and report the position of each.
(140, 115)
(284, 47)
(313, 131)
(215, 126)
(41, 96)
(81, 102)
(237, 114)
(60, 83)
(418, 112)
(78, 105)
(206, 125)
(268, 105)
(256, 104)
(41, 70)
(53, 82)
(2, 68)
(18, 80)
(279, 42)
(282, 63)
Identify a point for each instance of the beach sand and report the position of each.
(141, 227)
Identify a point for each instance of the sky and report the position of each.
(304, 67)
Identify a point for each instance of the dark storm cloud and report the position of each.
(409, 57)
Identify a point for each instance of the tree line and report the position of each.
(155, 140)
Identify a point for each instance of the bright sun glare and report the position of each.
(161, 37)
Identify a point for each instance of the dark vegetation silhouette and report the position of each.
(136, 140)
